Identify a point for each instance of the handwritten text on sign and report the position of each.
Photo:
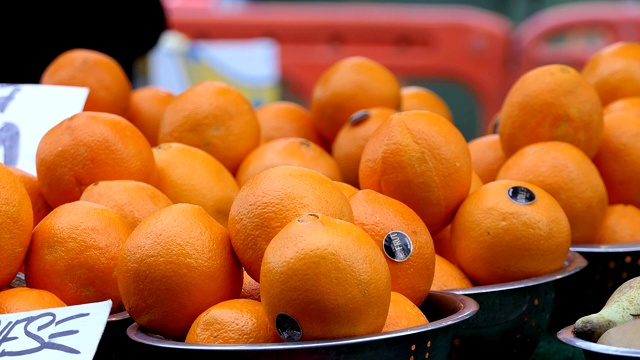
(70, 332)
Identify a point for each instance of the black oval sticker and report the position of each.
(288, 328)
(521, 195)
(397, 246)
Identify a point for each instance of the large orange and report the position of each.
(16, 221)
(487, 156)
(39, 205)
(614, 71)
(88, 147)
(270, 200)
(621, 225)
(108, 83)
(324, 278)
(421, 159)
(188, 174)
(403, 314)
(551, 102)
(623, 104)
(22, 299)
(350, 84)
(349, 143)
(215, 117)
(618, 157)
(402, 237)
(567, 173)
(73, 253)
(509, 230)
(176, 264)
(288, 151)
(416, 97)
(283, 118)
(146, 109)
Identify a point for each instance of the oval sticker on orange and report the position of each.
(288, 327)
(397, 246)
(521, 195)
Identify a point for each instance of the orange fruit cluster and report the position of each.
(209, 221)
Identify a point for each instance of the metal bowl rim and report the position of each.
(566, 336)
(607, 248)
(468, 308)
(574, 263)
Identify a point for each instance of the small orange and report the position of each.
(215, 117)
(146, 109)
(415, 97)
(403, 314)
(176, 264)
(487, 156)
(347, 189)
(567, 173)
(73, 253)
(271, 199)
(421, 159)
(623, 104)
(250, 288)
(39, 205)
(448, 276)
(350, 84)
(16, 222)
(509, 230)
(614, 71)
(288, 151)
(324, 278)
(353, 136)
(89, 147)
(476, 181)
(20, 299)
(283, 118)
(621, 225)
(402, 237)
(235, 321)
(551, 102)
(618, 157)
(187, 174)
(108, 83)
(132, 199)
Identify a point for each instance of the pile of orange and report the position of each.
(210, 221)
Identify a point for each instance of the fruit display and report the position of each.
(210, 222)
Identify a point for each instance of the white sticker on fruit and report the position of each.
(27, 112)
(68, 332)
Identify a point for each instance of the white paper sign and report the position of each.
(27, 112)
(68, 332)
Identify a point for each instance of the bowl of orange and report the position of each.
(595, 351)
(443, 309)
(513, 316)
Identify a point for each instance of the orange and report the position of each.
(421, 159)
(551, 102)
(347, 189)
(16, 222)
(324, 278)
(476, 181)
(187, 174)
(73, 253)
(288, 151)
(108, 84)
(402, 237)
(132, 199)
(618, 157)
(415, 97)
(39, 205)
(403, 314)
(215, 117)
(621, 225)
(89, 147)
(353, 135)
(623, 104)
(270, 200)
(22, 299)
(448, 276)
(567, 173)
(250, 288)
(350, 84)
(614, 71)
(235, 321)
(486, 156)
(285, 118)
(175, 265)
(146, 109)
(509, 230)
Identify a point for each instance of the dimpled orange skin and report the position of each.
(22, 299)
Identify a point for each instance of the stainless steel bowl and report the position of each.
(432, 341)
(595, 351)
(513, 316)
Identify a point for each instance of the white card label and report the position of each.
(27, 112)
(69, 332)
